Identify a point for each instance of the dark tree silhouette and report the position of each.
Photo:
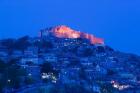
(22, 43)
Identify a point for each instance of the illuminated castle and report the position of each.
(66, 32)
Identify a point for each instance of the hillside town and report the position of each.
(67, 64)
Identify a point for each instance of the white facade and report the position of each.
(50, 58)
(33, 60)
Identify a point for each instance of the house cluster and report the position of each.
(100, 67)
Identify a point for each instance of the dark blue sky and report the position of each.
(117, 21)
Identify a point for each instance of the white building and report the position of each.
(4, 56)
(17, 54)
(50, 57)
(31, 60)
